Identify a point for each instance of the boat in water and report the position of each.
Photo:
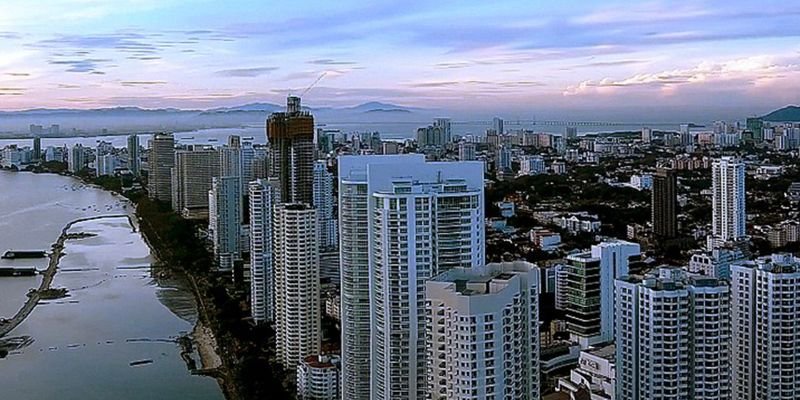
(15, 254)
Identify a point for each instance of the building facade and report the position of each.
(298, 312)
(160, 162)
(224, 220)
(483, 332)
(766, 348)
(319, 378)
(263, 197)
(673, 337)
(728, 200)
(402, 221)
(665, 204)
(291, 139)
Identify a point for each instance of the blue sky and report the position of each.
(471, 56)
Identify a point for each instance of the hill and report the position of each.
(785, 114)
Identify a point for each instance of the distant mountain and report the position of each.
(95, 111)
(260, 107)
(375, 106)
(785, 114)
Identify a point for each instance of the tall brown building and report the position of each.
(664, 204)
(291, 139)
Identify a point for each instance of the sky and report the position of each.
(493, 57)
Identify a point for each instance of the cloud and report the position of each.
(85, 65)
(328, 61)
(12, 91)
(246, 72)
(142, 83)
(68, 86)
(744, 71)
(18, 74)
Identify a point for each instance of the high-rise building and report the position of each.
(570, 133)
(673, 337)
(37, 148)
(319, 378)
(191, 180)
(756, 125)
(664, 204)
(324, 202)
(402, 221)
(444, 125)
(497, 125)
(134, 158)
(765, 298)
(483, 332)
(532, 165)
(263, 199)
(297, 290)
(160, 162)
(76, 158)
(647, 135)
(503, 158)
(728, 201)
(590, 289)
(224, 220)
(291, 139)
(466, 151)
(105, 164)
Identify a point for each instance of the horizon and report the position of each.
(624, 58)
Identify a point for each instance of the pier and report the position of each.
(8, 325)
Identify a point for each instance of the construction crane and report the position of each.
(311, 86)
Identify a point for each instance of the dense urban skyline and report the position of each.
(515, 56)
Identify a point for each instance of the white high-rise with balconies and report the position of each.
(673, 337)
(402, 222)
(728, 201)
(263, 198)
(766, 345)
(483, 332)
(298, 312)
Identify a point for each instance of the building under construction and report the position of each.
(291, 139)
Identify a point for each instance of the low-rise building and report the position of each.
(595, 373)
(319, 378)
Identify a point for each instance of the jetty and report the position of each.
(8, 325)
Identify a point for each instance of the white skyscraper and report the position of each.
(263, 198)
(297, 292)
(224, 220)
(590, 290)
(402, 221)
(728, 211)
(323, 203)
(497, 125)
(673, 337)
(466, 151)
(503, 158)
(105, 164)
(532, 165)
(766, 345)
(483, 332)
